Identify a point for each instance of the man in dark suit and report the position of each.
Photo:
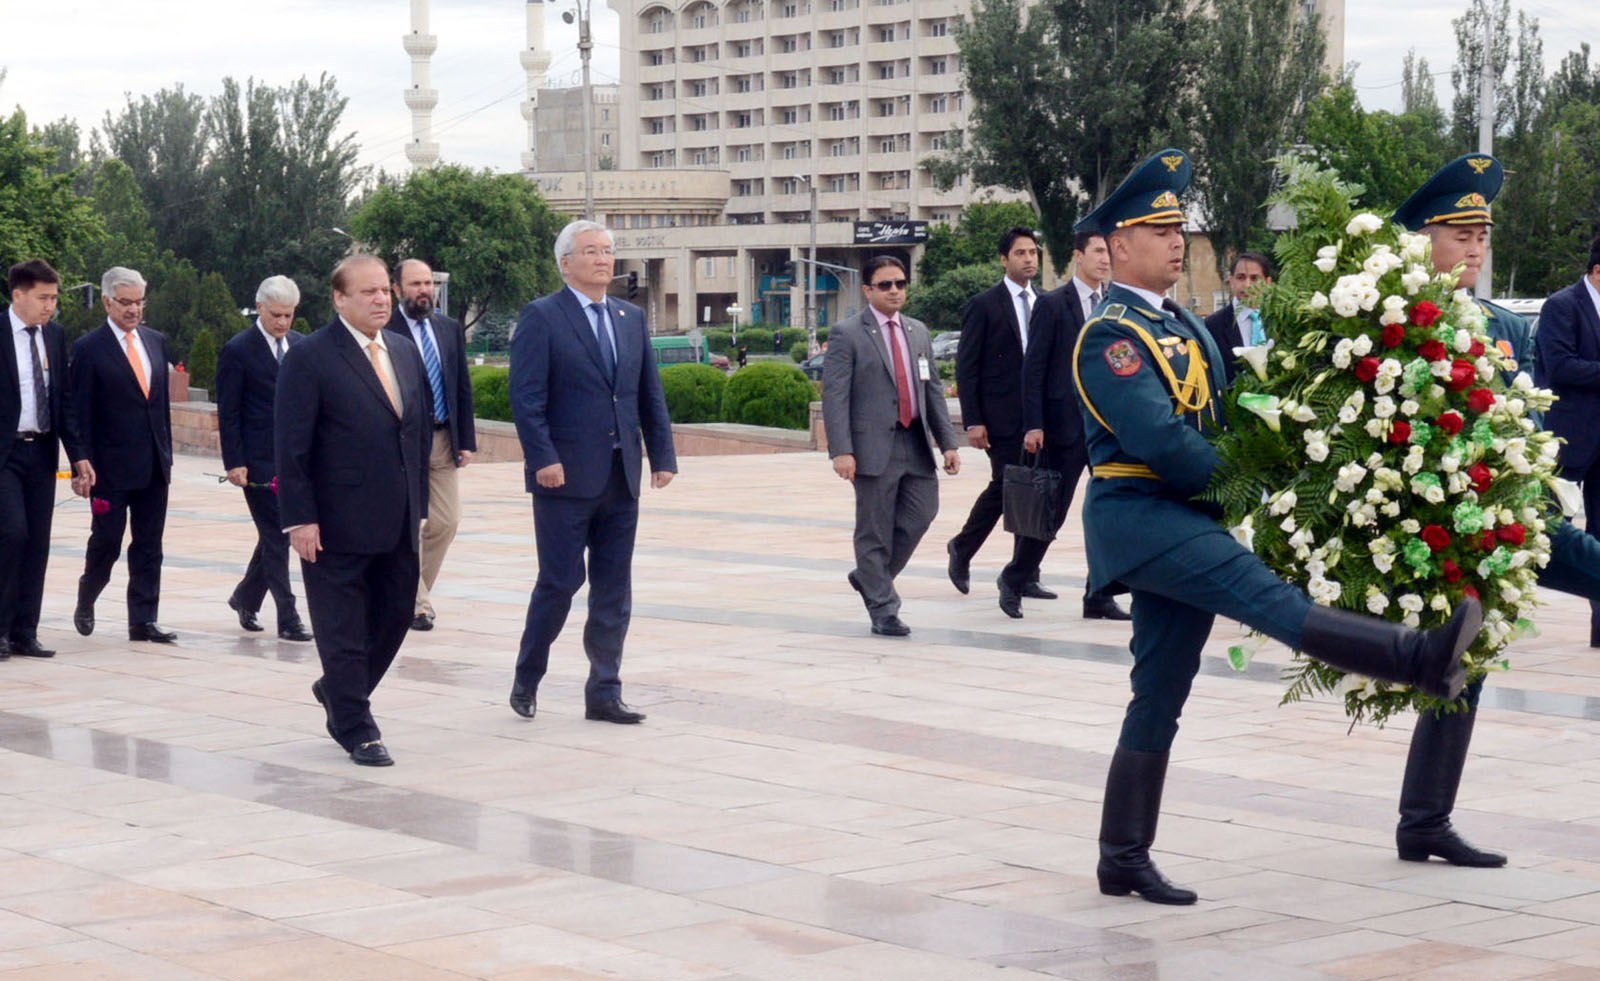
(247, 386)
(584, 392)
(352, 436)
(1238, 324)
(119, 393)
(444, 360)
(883, 408)
(1568, 363)
(1052, 420)
(35, 419)
(994, 338)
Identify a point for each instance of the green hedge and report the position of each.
(491, 392)
(800, 352)
(694, 392)
(769, 393)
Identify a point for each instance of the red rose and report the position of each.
(1366, 369)
(1451, 422)
(99, 505)
(1476, 350)
(1462, 375)
(1486, 541)
(1437, 538)
(274, 485)
(1513, 534)
(1393, 335)
(1469, 591)
(1480, 400)
(1400, 433)
(1452, 572)
(1480, 476)
(1433, 350)
(1424, 314)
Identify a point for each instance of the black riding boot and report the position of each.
(1426, 659)
(1128, 827)
(1428, 795)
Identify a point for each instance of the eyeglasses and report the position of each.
(592, 252)
(127, 304)
(885, 285)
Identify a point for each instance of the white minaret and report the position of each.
(421, 97)
(535, 60)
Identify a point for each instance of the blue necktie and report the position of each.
(430, 360)
(1258, 334)
(602, 333)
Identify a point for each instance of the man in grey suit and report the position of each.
(883, 409)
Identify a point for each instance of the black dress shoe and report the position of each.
(295, 631)
(321, 695)
(83, 618)
(371, 754)
(1103, 608)
(152, 632)
(1033, 590)
(1010, 599)
(29, 647)
(1417, 846)
(522, 701)
(890, 626)
(422, 621)
(612, 711)
(959, 568)
(247, 618)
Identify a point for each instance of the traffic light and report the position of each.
(633, 285)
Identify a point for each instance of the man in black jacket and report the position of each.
(1238, 324)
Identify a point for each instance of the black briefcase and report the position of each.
(1031, 496)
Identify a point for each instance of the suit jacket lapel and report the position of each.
(361, 365)
(264, 349)
(158, 364)
(578, 318)
(9, 359)
(628, 353)
(880, 340)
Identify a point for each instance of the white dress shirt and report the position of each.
(28, 420)
(1086, 297)
(138, 346)
(272, 342)
(1016, 308)
(362, 341)
(1594, 294)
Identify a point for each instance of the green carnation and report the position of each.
(1468, 518)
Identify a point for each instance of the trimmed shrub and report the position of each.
(770, 393)
(202, 365)
(491, 391)
(718, 341)
(800, 352)
(694, 392)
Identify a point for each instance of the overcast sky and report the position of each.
(80, 59)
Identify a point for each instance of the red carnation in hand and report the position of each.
(99, 505)
(1480, 476)
(1451, 422)
(1480, 400)
(1437, 538)
(1462, 375)
(1470, 591)
(1486, 541)
(1393, 335)
(1476, 350)
(1424, 314)
(1452, 572)
(1400, 433)
(1512, 534)
(1433, 350)
(1366, 369)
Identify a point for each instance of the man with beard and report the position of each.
(443, 345)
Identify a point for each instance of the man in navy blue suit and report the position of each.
(119, 394)
(247, 383)
(352, 433)
(1568, 363)
(584, 390)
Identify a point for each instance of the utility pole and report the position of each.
(1485, 287)
(585, 47)
(811, 276)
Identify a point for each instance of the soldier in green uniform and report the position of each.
(1452, 209)
(1149, 377)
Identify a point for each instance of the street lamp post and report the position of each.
(811, 269)
(585, 47)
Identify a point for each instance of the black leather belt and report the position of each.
(441, 425)
(29, 437)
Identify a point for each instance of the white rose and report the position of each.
(1391, 509)
(1346, 302)
(1363, 224)
(1383, 407)
(1361, 346)
(1462, 343)
(1414, 246)
(1383, 562)
(1303, 413)
(1376, 601)
(1410, 602)
(1411, 526)
(1327, 258)
(1350, 476)
(1413, 280)
(1394, 310)
(1410, 407)
(1376, 428)
(1342, 350)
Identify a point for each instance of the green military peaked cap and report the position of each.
(1147, 196)
(1459, 193)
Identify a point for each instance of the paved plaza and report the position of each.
(807, 802)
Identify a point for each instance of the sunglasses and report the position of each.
(885, 285)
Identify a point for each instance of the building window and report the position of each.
(938, 103)
(605, 139)
(939, 28)
(886, 34)
(836, 184)
(938, 66)
(741, 120)
(789, 116)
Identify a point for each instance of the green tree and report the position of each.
(40, 213)
(1250, 113)
(1550, 209)
(1066, 97)
(974, 238)
(1387, 154)
(492, 233)
(161, 138)
(202, 360)
(940, 306)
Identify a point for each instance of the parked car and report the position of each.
(813, 366)
(1527, 307)
(944, 346)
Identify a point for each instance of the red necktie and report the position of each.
(902, 380)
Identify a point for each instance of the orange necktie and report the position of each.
(383, 376)
(138, 366)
